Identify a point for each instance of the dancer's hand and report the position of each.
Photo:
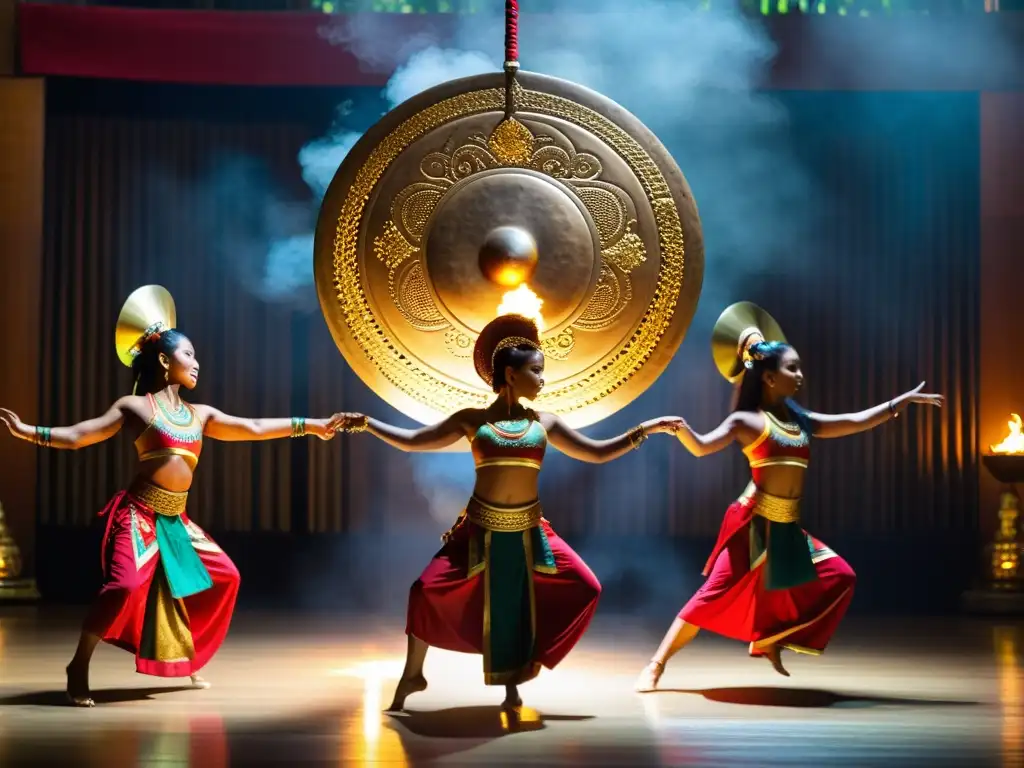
(917, 396)
(17, 427)
(320, 428)
(666, 425)
(347, 422)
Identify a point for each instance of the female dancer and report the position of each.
(169, 590)
(504, 585)
(769, 583)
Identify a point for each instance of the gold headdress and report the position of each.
(501, 333)
(738, 328)
(147, 313)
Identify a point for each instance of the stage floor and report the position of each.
(298, 690)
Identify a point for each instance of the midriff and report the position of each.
(784, 481)
(508, 485)
(172, 473)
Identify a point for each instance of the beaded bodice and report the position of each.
(780, 444)
(514, 443)
(171, 433)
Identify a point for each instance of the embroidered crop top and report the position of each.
(516, 443)
(780, 444)
(171, 433)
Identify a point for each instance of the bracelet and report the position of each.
(892, 411)
(298, 426)
(43, 437)
(357, 426)
(637, 435)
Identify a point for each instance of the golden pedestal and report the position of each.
(12, 587)
(1001, 588)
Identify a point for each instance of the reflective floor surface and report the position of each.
(310, 690)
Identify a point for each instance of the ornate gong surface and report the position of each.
(442, 207)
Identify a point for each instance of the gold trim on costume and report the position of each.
(528, 550)
(761, 438)
(777, 509)
(509, 462)
(191, 459)
(161, 501)
(503, 519)
(487, 606)
(780, 461)
(801, 649)
(774, 639)
(173, 642)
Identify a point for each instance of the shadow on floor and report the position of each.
(765, 696)
(101, 696)
(475, 722)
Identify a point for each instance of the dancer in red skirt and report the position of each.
(504, 584)
(769, 582)
(169, 591)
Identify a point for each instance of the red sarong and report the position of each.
(450, 605)
(735, 602)
(134, 609)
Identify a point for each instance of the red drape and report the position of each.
(313, 49)
(211, 47)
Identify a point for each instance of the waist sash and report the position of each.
(778, 541)
(777, 509)
(506, 546)
(504, 519)
(185, 572)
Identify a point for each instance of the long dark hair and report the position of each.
(510, 357)
(147, 373)
(765, 357)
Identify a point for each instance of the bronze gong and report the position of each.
(444, 207)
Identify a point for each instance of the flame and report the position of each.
(1013, 442)
(523, 301)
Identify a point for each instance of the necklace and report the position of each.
(789, 426)
(513, 429)
(180, 417)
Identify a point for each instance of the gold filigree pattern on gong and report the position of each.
(559, 346)
(510, 144)
(425, 386)
(458, 343)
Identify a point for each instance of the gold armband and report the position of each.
(358, 425)
(42, 437)
(637, 435)
(298, 426)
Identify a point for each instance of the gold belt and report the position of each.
(777, 509)
(159, 500)
(504, 519)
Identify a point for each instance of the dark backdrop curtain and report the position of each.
(890, 299)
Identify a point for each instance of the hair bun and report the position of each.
(515, 328)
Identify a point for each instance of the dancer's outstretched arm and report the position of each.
(432, 437)
(843, 424)
(80, 435)
(742, 426)
(222, 426)
(579, 446)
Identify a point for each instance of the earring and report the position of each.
(167, 375)
(508, 400)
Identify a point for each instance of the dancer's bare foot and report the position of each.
(78, 685)
(648, 679)
(406, 687)
(774, 656)
(199, 682)
(512, 698)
